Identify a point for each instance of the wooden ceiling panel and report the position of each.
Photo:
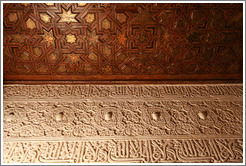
(95, 41)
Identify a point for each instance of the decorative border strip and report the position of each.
(121, 118)
(118, 151)
(12, 92)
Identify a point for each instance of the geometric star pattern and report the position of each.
(135, 41)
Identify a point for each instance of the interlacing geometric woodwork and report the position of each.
(122, 41)
(123, 123)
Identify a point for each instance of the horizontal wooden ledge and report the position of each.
(122, 77)
(107, 82)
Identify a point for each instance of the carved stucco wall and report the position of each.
(123, 123)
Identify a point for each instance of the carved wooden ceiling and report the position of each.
(96, 41)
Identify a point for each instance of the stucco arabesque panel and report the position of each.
(161, 118)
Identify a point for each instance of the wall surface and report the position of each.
(140, 82)
(123, 123)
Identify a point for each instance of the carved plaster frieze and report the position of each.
(122, 118)
(15, 92)
(123, 123)
(129, 150)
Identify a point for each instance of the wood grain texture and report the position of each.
(96, 41)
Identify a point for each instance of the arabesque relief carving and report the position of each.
(123, 123)
(121, 118)
(131, 150)
(122, 91)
